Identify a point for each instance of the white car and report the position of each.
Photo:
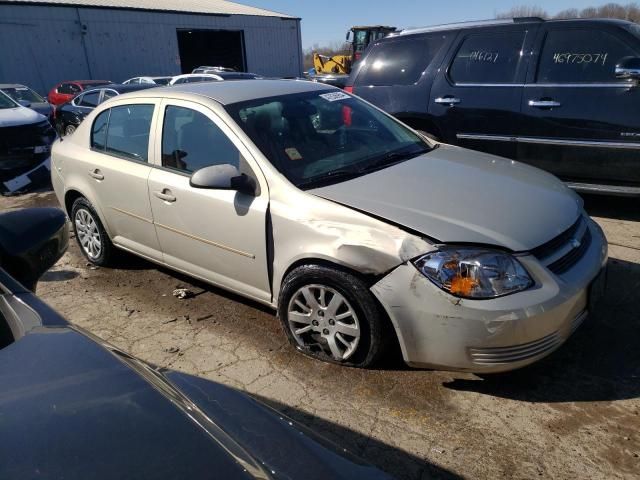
(149, 80)
(213, 77)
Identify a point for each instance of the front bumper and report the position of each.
(438, 330)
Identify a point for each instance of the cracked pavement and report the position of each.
(575, 414)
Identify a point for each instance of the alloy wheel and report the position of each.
(69, 129)
(321, 318)
(88, 233)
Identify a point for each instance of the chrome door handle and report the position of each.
(96, 174)
(544, 103)
(165, 195)
(450, 101)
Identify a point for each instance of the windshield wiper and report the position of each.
(341, 174)
(391, 159)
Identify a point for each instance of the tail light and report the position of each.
(349, 89)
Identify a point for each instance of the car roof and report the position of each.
(498, 23)
(87, 82)
(13, 85)
(227, 93)
(120, 88)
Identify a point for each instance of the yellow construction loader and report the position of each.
(358, 39)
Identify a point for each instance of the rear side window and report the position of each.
(191, 141)
(581, 56)
(99, 131)
(89, 99)
(123, 131)
(399, 61)
(69, 89)
(488, 58)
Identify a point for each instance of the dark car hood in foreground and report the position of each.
(455, 195)
(74, 409)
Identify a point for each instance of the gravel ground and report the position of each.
(575, 414)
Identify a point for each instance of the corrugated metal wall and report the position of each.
(42, 45)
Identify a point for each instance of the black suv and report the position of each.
(561, 95)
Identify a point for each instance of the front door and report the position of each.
(217, 235)
(475, 99)
(117, 169)
(581, 122)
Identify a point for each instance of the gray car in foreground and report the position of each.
(360, 232)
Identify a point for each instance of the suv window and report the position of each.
(580, 56)
(399, 61)
(99, 130)
(127, 131)
(488, 58)
(191, 141)
(89, 99)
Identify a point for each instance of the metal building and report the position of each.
(43, 42)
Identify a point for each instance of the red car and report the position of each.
(65, 91)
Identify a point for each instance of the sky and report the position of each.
(327, 21)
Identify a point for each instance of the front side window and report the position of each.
(488, 58)
(322, 137)
(69, 89)
(581, 56)
(128, 131)
(399, 61)
(89, 99)
(191, 141)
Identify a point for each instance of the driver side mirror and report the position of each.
(32, 240)
(24, 103)
(628, 69)
(348, 37)
(223, 177)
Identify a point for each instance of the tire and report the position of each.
(321, 335)
(92, 238)
(69, 129)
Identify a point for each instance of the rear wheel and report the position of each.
(331, 315)
(90, 234)
(69, 129)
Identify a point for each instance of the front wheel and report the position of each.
(331, 315)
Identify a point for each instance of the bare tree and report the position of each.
(524, 11)
(630, 11)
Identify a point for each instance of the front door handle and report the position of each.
(545, 103)
(165, 195)
(97, 174)
(448, 100)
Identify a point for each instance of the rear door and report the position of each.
(475, 99)
(582, 123)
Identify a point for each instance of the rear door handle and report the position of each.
(544, 103)
(97, 174)
(448, 100)
(165, 195)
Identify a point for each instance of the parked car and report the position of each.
(212, 77)
(27, 98)
(25, 137)
(151, 80)
(357, 229)
(557, 94)
(75, 407)
(65, 91)
(210, 69)
(68, 116)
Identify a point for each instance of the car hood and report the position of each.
(73, 407)
(11, 117)
(456, 195)
(43, 108)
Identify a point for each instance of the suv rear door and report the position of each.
(475, 99)
(581, 122)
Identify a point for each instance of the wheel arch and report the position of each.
(72, 194)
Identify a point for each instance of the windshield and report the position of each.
(6, 102)
(24, 94)
(322, 137)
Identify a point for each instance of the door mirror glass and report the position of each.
(628, 69)
(223, 177)
(24, 103)
(348, 37)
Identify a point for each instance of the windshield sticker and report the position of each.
(578, 58)
(335, 96)
(293, 153)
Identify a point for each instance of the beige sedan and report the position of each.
(360, 232)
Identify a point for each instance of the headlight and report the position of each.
(474, 273)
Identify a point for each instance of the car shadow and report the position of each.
(394, 461)
(619, 208)
(600, 362)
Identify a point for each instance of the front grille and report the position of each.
(562, 252)
(516, 353)
(25, 145)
